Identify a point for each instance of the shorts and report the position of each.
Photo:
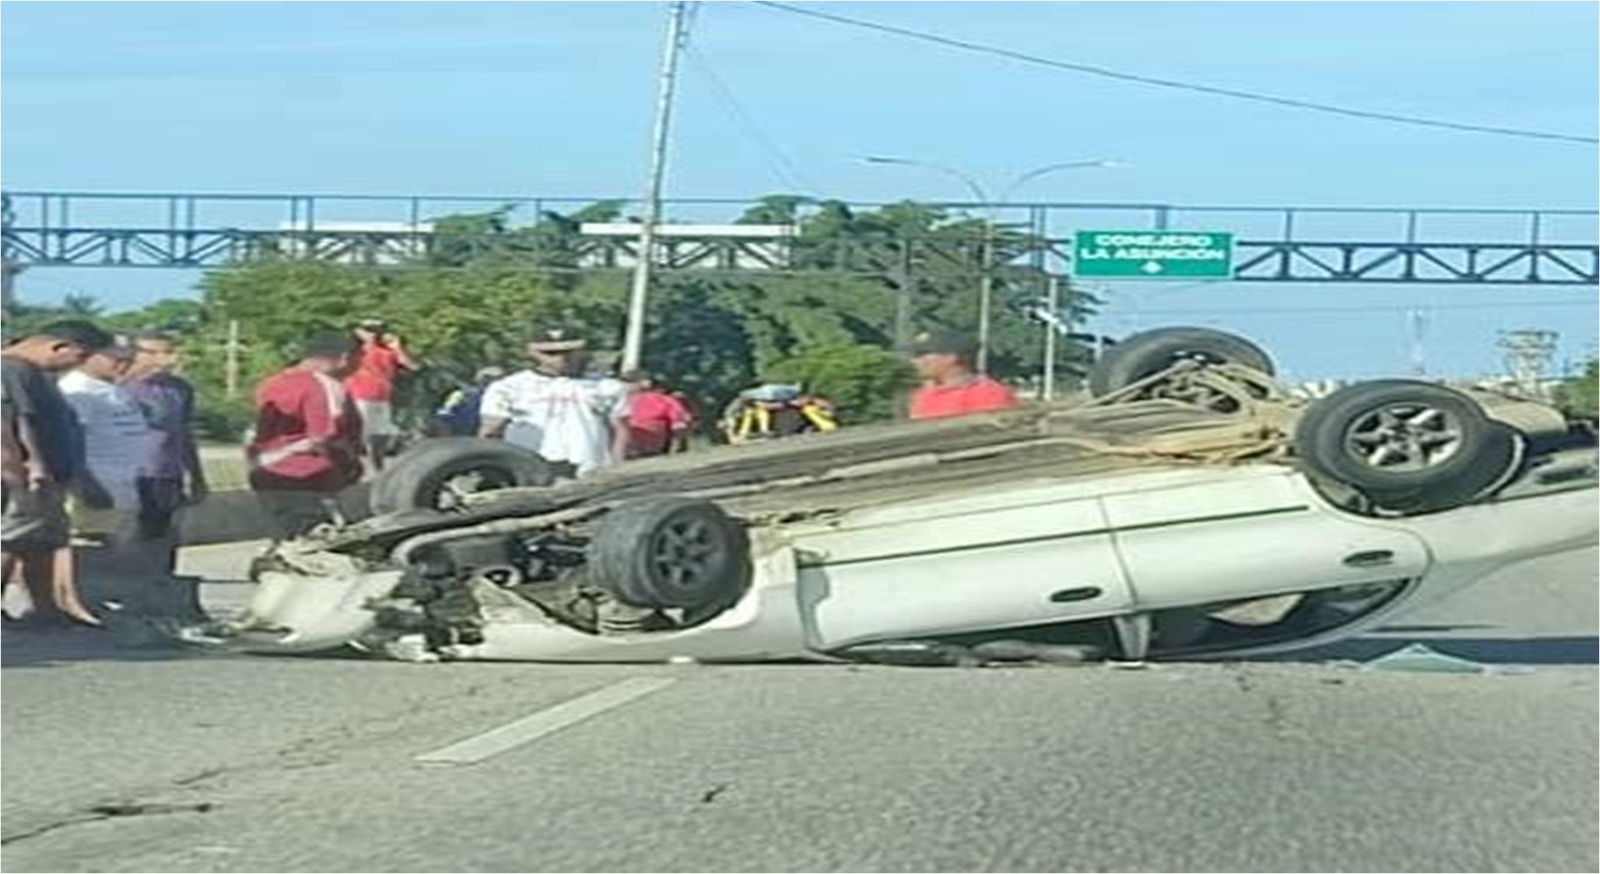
(97, 525)
(377, 419)
(35, 520)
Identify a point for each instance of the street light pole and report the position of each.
(990, 208)
(985, 253)
(633, 337)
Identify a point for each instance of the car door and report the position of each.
(1216, 534)
(1020, 555)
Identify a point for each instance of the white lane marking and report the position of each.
(552, 719)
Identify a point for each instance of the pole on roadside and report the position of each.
(633, 337)
(8, 283)
(986, 293)
(903, 291)
(1051, 329)
(231, 366)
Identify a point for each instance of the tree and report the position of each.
(1579, 397)
(859, 283)
(867, 383)
(456, 319)
(181, 318)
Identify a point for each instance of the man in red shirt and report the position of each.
(307, 444)
(657, 422)
(371, 386)
(952, 388)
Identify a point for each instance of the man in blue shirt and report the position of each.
(458, 415)
(171, 476)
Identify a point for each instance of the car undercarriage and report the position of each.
(663, 546)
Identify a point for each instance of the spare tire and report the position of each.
(1151, 352)
(435, 474)
(1410, 446)
(671, 552)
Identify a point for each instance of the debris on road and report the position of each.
(1424, 659)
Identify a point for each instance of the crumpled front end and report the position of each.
(310, 601)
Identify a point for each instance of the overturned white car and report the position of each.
(1189, 509)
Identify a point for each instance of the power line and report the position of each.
(780, 163)
(1172, 83)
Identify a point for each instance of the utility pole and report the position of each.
(986, 293)
(8, 268)
(231, 361)
(1052, 327)
(1528, 352)
(8, 283)
(633, 338)
(903, 292)
(1419, 327)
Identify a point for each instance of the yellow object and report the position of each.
(89, 521)
(820, 416)
(754, 420)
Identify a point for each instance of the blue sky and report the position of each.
(555, 99)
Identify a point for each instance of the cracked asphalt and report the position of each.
(122, 759)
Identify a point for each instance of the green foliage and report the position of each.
(23, 319)
(453, 320)
(856, 289)
(867, 383)
(180, 318)
(1580, 397)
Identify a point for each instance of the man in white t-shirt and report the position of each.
(118, 447)
(570, 420)
(118, 442)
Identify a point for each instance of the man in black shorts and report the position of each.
(43, 453)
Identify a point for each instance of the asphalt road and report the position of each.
(120, 759)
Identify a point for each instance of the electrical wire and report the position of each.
(1172, 83)
(778, 160)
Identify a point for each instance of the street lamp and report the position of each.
(986, 281)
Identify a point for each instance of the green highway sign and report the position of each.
(1153, 254)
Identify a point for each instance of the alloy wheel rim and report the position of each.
(1404, 438)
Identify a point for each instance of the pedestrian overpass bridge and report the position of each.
(1272, 244)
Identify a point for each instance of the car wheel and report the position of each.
(1407, 445)
(438, 474)
(355, 502)
(1151, 352)
(671, 552)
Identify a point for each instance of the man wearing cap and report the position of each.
(307, 444)
(379, 358)
(570, 420)
(952, 388)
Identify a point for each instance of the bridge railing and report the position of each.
(1316, 244)
(57, 210)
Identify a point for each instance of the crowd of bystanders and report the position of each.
(100, 455)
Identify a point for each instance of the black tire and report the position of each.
(425, 475)
(1151, 352)
(355, 502)
(671, 552)
(1408, 445)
